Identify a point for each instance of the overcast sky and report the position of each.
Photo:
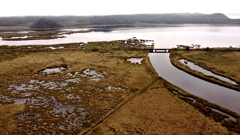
(108, 7)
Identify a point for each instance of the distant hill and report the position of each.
(45, 23)
(218, 16)
(89, 21)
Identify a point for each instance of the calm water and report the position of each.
(167, 36)
(222, 96)
(206, 72)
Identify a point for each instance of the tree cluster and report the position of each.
(45, 23)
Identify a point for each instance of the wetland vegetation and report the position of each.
(38, 35)
(67, 90)
(158, 110)
(75, 87)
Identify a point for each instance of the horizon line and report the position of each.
(119, 14)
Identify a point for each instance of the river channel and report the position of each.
(219, 95)
(168, 37)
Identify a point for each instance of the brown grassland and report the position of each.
(126, 98)
(158, 111)
(6, 117)
(82, 100)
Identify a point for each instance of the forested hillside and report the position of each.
(45, 23)
(85, 21)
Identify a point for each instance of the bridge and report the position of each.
(161, 50)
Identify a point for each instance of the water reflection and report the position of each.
(222, 96)
(135, 60)
(164, 36)
(206, 72)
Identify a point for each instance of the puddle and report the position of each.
(73, 74)
(93, 75)
(69, 116)
(53, 70)
(54, 48)
(72, 78)
(20, 101)
(114, 88)
(61, 105)
(206, 72)
(135, 60)
(7, 99)
(71, 96)
(22, 87)
(225, 119)
(75, 80)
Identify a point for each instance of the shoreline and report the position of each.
(27, 28)
(174, 58)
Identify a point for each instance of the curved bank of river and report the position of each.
(219, 95)
(193, 66)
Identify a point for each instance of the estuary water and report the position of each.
(168, 37)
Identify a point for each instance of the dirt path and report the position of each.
(157, 111)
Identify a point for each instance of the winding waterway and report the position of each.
(168, 37)
(206, 72)
(222, 96)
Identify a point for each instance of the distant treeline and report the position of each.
(45, 23)
(217, 18)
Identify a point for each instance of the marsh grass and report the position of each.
(7, 123)
(14, 28)
(54, 105)
(158, 111)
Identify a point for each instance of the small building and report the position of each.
(196, 46)
(182, 46)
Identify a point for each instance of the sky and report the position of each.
(109, 7)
